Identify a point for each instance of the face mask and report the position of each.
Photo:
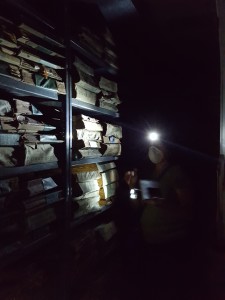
(155, 155)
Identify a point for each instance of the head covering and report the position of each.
(155, 154)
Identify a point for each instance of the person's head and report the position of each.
(157, 153)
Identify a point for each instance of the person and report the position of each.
(169, 217)
(165, 222)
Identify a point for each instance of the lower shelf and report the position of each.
(18, 250)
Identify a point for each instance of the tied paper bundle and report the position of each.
(27, 39)
(86, 87)
(5, 107)
(85, 139)
(40, 185)
(88, 82)
(21, 107)
(9, 185)
(23, 124)
(86, 122)
(91, 41)
(87, 136)
(10, 70)
(39, 154)
(36, 190)
(109, 55)
(7, 34)
(109, 98)
(86, 188)
(108, 182)
(8, 157)
(112, 135)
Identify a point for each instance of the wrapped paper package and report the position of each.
(10, 70)
(5, 107)
(86, 177)
(85, 122)
(87, 153)
(34, 58)
(23, 124)
(103, 167)
(38, 154)
(27, 77)
(85, 95)
(87, 144)
(40, 185)
(91, 41)
(9, 185)
(25, 27)
(83, 134)
(30, 41)
(22, 107)
(82, 66)
(88, 82)
(108, 85)
(111, 149)
(112, 130)
(109, 180)
(8, 157)
(86, 206)
(7, 36)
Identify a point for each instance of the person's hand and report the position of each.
(130, 178)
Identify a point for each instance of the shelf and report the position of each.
(16, 171)
(94, 109)
(92, 160)
(101, 66)
(14, 139)
(22, 89)
(86, 218)
(19, 250)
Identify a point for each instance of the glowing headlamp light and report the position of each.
(153, 136)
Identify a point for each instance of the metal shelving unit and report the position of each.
(16, 171)
(22, 89)
(68, 105)
(94, 109)
(94, 160)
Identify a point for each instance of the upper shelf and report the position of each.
(95, 109)
(16, 171)
(92, 160)
(100, 66)
(22, 89)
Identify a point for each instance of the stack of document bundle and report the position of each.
(108, 182)
(110, 56)
(22, 59)
(24, 138)
(86, 189)
(91, 40)
(86, 84)
(112, 135)
(40, 192)
(109, 97)
(87, 136)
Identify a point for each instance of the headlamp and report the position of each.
(153, 136)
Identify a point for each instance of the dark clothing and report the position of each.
(171, 220)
